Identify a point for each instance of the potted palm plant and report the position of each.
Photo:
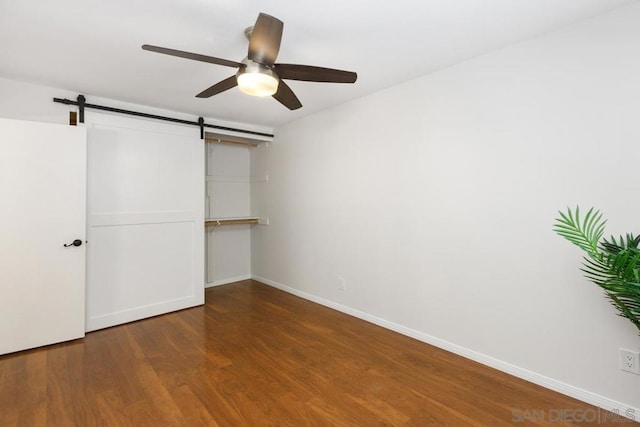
(613, 264)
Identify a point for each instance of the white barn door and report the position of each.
(42, 208)
(146, 219)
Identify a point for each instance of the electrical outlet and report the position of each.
(630, 361)
(342, 284)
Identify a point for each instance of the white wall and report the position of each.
(28, 101)
(435, 200)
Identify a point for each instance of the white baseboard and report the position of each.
(541, 380)
(227, 281)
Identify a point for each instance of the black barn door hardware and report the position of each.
(82, 105)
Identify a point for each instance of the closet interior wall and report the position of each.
(228, 194)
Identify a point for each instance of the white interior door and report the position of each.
(146, 219)
(43, 198)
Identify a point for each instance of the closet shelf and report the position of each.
(228, 141)
(215, 222)
(218, 138)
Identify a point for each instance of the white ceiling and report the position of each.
(93, 46)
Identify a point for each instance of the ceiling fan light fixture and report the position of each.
(257, 80)
(257, 84)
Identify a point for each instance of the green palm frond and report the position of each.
(585, 234)
(613, 264)
(612, 246)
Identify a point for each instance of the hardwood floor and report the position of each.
(256, 356)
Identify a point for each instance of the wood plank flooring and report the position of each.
(256, 356)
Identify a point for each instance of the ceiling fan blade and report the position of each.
(310, 73)
(194, 56)
(286, 97)
(225, 84)
(264, 43)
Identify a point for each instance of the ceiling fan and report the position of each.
(258, 74)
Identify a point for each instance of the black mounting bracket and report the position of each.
(81, 101)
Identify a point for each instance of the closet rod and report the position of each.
(217, 222)
(200, 123)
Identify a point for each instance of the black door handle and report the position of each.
(76, 242)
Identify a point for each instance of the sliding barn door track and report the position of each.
(82, 105)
